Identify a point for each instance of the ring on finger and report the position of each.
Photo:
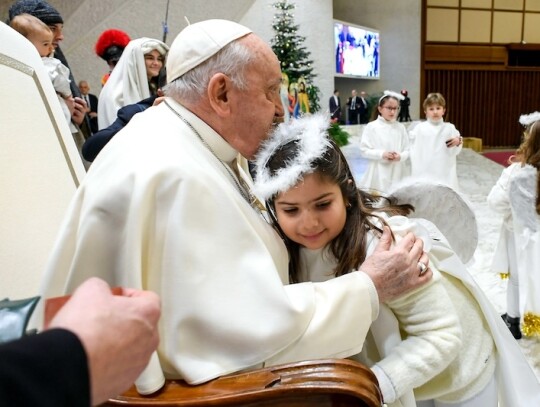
(422, 267)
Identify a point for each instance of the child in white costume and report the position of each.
(385, 143)
(41, 36)
(435, 145)
(451, 333)
(515, 196)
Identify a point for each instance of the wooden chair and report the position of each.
(329, 382)
(41, 170)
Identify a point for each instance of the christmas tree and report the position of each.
(293, 55)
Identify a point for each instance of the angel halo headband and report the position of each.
(311, 135)
(391, 93)
(527, 119)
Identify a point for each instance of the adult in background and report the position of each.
(91, 103)
(404, 115)
(109, 47)
(134, 78)
(353, 107)
(363, 113)
(334, 105)
(168, 207)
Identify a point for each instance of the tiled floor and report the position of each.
(477, 174)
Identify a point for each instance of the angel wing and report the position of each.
(522, 192)
(446, 209)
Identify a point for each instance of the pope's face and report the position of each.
(259, 106)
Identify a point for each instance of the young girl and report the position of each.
(133, 79)
(515, 196)
(448, 353)
(385, 143)
(435, 145)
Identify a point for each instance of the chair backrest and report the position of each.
(330, 382)
(40, 168)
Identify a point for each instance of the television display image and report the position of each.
(356, 50)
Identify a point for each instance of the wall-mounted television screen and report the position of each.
(357, 51)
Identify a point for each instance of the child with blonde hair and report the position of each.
(435, 145)
(444, 340)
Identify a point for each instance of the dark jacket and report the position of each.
(94, 144)
(47, 370)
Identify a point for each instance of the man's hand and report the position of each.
(395, 271)
(119, 333)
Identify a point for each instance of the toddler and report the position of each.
(41, 36)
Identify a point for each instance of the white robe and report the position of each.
(431, 159)
(159, 211)
(380, 136)
(128, 82)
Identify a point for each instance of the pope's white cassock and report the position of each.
(158, 210)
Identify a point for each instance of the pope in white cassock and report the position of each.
(167, 207)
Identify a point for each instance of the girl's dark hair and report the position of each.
(350, 246)
(529, 153)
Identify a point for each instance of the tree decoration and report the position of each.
(293, 55)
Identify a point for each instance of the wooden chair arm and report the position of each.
(329, 382)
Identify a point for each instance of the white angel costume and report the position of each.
(430, 158)
(505, 260)
(128, 82)
(523, 193)
(514, 196)
(418, 343)
(379, 136)
(166, 213)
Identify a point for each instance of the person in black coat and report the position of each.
(92, 105)
(363, 113)
(353, 107)
(404, 104)
(334, 105)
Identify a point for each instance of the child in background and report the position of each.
(435, 145)
(385, 143)
(451, 333)
(41, 36)
(518, 251)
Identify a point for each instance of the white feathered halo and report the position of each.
(311, 133)
(527, 119)
(391, 93)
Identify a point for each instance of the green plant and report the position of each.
(340, 136)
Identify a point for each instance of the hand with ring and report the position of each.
(422, 267)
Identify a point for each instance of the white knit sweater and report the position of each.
(446, 351)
